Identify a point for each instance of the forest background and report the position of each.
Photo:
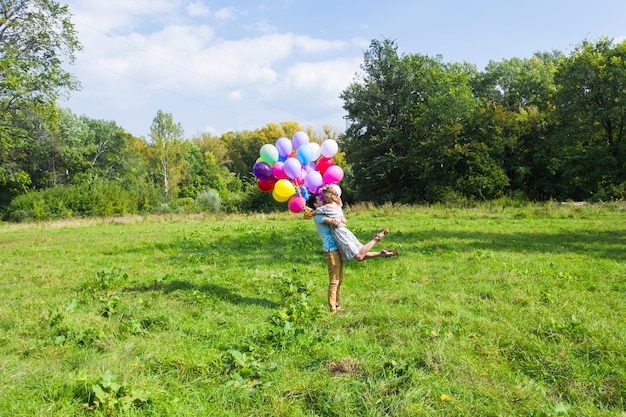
(418, 130)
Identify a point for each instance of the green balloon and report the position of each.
(269, 153)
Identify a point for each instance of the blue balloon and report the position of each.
(305, 193)
(305, 154)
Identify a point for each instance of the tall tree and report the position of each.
(380, 106)
(36, 38)
(405, 115)
(591, 105)
(518, 101)
(208, 160)
(243, 151)
(169, 152)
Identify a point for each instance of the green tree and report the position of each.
(105, 144)
(207, 142)
(517, 105)
(79, 149)
(405, 116)
(591, 106)
(519, 83)
(169, 151)
(243, 151)
(36, 38)
(139, 174)
(208, 161)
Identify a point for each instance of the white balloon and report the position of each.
(329, 148)
(317, 150)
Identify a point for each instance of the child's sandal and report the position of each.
(381, 234)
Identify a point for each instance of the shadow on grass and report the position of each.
(277, 248)
(213, 290)
(268, 248)
(607, 245)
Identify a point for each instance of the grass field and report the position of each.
(495, 310)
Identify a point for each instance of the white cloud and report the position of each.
(116, 15)
(322, 79)
(263, 26)
(198, 9)
(309, 44)
(227, 13)
(235, 95)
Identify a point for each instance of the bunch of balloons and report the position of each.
(293, 169)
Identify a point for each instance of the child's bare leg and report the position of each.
(365, 252)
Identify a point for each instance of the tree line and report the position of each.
(546, 127)
(418, 129)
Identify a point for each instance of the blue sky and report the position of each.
(218, 65)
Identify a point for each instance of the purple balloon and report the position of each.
(313, 180)
(292, 168)
(299, 138)
(284, 147)
(262, 170)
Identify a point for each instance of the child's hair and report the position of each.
(330, 194)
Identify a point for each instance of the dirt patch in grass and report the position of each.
(344, 367)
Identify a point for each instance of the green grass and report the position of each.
(489, 311)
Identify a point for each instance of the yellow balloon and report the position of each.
(284, 188)
(279, 198)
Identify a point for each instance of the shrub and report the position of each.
(185, 205)
(102, 198)
(209, 200)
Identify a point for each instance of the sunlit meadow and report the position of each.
(501, 309)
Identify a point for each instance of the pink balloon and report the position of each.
(278, 170)
(303, 173)
(333, 174)
(296, 204)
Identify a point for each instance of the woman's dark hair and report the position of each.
(311, 201)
